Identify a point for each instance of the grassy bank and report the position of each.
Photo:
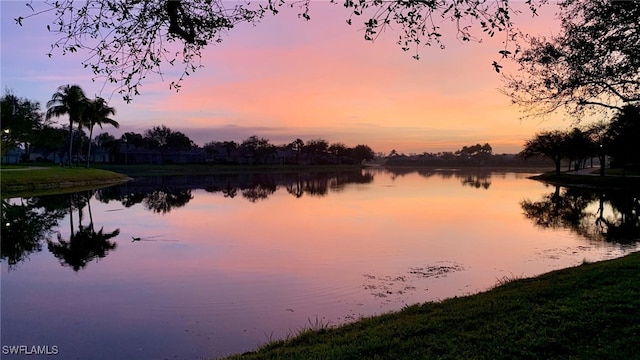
(586, 312)
(611, 180)
(39, 180)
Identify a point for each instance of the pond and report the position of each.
(207, 266)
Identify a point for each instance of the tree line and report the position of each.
(616, 140)
(468, 156)
(25, 126)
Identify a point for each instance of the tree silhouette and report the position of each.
(598, 133)
(164, 139)
(624, 136)
(297, 146)
(20, 122)
(107, 142)
(579, 147)
(592, 65)
(316, 150)
(127, 41)
(97, 113)
(68, 100)
(362, 153)
(550, 144)
(258, 149)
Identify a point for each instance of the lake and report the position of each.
(206, 266)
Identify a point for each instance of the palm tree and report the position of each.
(97, 113)
(85, 244)
(68, 100)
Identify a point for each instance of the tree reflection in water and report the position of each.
(475, 178)
(28, 223)
(611, 215)
(163, 194)
(83, 245)
(165, 200)
(25, 224)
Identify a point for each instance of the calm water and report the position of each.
(189, 268)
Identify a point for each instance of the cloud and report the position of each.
(286, 78)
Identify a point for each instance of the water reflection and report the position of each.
(165, 200)
(25, 223)
(198, 275)
(83, 247)
(475, 178)
(162, 194)
(28, 223)
(598, 215)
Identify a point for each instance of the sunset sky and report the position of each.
(287, 78)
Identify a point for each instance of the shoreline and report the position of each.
(38, 181)
(552, 315)
(589, 180)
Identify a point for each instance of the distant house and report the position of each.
(131, 154)
(12, 156)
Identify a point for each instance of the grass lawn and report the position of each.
(38, 180)
(587, 312)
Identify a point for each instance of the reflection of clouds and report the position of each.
(390, 288)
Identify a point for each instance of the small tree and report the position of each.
(20, 122)
(339, 151)
(316, 149)
(50, 140)
(257, 148)
(297, 145)
(362, 153)
(97, 113)
(578, 147)
(598, 134)
(107, 142)
(550, 144)
(624, 137)
(164, 139)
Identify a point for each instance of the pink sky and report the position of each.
(287, 78)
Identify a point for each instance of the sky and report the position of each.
(287, 78)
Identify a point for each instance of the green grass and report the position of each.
(586, 312)
(21, 181)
